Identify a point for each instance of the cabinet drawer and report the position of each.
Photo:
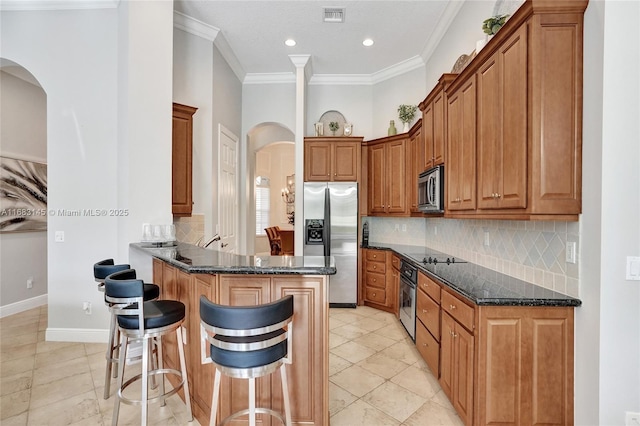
(428, 312)
(374, 279)
(462, 312)
(429, 348)
(379, 267)
(395, 262)
(377, 295)
(429, 286)
(377, 255)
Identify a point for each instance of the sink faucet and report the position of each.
(209, 242)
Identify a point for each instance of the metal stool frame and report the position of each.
(134, 306)
(272, 324)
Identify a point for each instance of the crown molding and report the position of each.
(341, 79)
(444, 22)
(209, 32)
(400, 68)
(8, 5)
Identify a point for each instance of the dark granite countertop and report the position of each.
(197, 260)
(480, 285)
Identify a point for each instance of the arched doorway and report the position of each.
(23, 190)
(271, 144)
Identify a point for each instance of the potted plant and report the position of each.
(406, 113)
(334, 126)
(492, 25)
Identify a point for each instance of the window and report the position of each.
(262, 204)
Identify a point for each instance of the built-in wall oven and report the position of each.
(408, 281)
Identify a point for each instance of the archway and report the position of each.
(277, 140)
(23, 190)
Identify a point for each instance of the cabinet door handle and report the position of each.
(374, 295)
(452, 307)
(425, 345)
(424, 311)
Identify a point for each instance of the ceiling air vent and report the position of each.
(333, 15)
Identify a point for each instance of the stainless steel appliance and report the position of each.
(408, 283)
(331, 229)
(431, 190)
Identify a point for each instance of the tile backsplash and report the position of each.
(189, 229)
(531, 251)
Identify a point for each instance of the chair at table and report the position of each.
(140, 321)
(246, 342)
(275, 242)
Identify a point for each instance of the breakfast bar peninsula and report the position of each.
(185, 272)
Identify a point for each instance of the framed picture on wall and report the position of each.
(23, 195)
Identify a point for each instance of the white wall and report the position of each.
(354, 102)
(107, 75)
(23, 135)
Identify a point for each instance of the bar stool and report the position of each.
(102, 270)
(140, 321)
(246, 342)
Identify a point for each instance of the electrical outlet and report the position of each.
(435, 230)
(404, 227)
(633, 268)
(59, 236)
(397, 227)
(570, 252)
(86, 307)
(632, 419)
(487, 241)
(30, 282)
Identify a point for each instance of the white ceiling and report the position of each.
(404, 33)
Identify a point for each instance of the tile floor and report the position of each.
(376, 377)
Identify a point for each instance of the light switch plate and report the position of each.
(633, 268)
(59, 236)
(570, 252)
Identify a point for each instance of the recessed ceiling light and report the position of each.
(367, 42)
(290, 42)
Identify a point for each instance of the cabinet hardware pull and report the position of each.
(452, 306)
(424, 344)
(424, 311)
(374, 295)
(454, 334)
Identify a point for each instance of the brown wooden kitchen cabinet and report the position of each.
(460, 170)
(335, 159)
(415, 155)
(380, 287)
(387, 176)
(181, 160)
(434, 123)
(307, 375)
(428, 322)
(502, 126)
(528, 84)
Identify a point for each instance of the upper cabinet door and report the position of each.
(332, 159)
(317, 161)
(181, 153)
(346, 161)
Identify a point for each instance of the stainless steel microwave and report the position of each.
(431, 190)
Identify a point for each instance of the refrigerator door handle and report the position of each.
(327, 222)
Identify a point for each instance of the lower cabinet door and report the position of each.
(429, 348)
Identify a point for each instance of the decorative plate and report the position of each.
(330, 116)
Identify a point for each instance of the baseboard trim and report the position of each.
(23, 305)
(80, 335)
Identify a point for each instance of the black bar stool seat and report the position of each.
(157, 314)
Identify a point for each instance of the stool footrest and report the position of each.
(258, 410)
(156, 398)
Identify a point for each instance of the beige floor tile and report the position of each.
(406, 353)
(19, 420)
(441, 399)
(382, 365)
(67, 411)
(336, 340)
(353, 352)
(374, 341)
(392, 331)
(346, 315)
(61, 389)
(432, 414)
(59, 355)
(394, 400)
(337, 364)
(14, 404)
(91, 421)
(419, 381)
(15, 352)
(357, 380)
(23, 339)
(93, 348)
(369, 324)
(19, 382)
(349, 331)
(361, 413)
(53, 372)
(15, 366)
(335, 323)
(339, 399)
(45, 346)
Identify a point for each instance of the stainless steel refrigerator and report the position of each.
(331, 229)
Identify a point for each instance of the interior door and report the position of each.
(227, 189)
